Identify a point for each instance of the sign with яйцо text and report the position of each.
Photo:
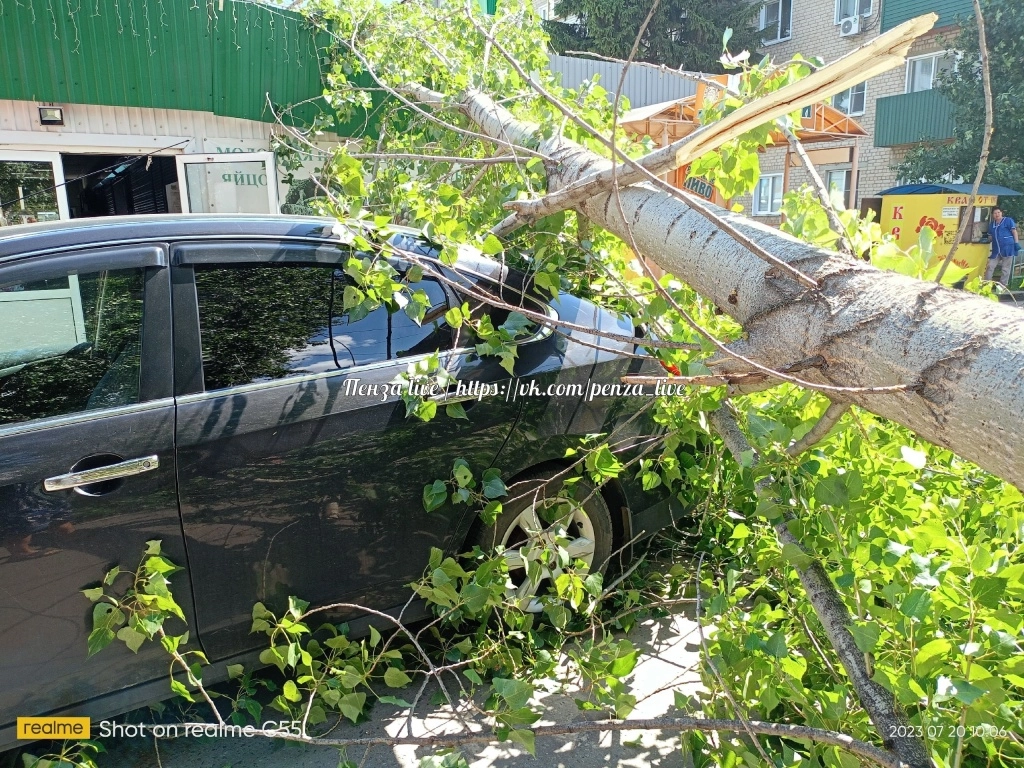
(53, 728)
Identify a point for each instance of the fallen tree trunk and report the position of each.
(960, 357)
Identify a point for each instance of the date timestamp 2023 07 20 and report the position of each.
(948, 731)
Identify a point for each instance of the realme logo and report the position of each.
(53, 727)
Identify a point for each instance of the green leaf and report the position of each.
(794, 555)
(625, 663)
(395, 701)
(493, 486)
(93, 594)
(775, 646)
(865, 636)
(131, 638)
(396, 678)
(235, 670)
(179, 688)
(516, 693)
(291, 691)
(453, 317)
(374, 637)
(988, 590)
(489, 514)
(525, 738)
(492, 245)
(153, 547)
(456, 411)
(434, 495)
(916, 605)
(351, 705)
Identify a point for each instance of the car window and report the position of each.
(70, 343)
(261, 323)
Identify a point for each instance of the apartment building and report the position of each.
(896, 109)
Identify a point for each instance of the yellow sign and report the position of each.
(966, 200)
(904, 216)
(53, 728)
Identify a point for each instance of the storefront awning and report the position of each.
(957, 189)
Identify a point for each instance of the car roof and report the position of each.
(26, 239)
(36, 239)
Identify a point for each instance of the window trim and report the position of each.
(839, 19)
(757, 197)
(864, 87)
(848, 182)
(763, 22)
(189, 385)
(155, 353)
(936, 55)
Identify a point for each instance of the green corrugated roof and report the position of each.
(173, 54)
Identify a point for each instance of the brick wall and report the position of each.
(814, 33)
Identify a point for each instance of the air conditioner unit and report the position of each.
(849, 26)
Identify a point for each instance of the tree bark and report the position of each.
(961, 355)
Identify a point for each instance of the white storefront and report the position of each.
(106, 160)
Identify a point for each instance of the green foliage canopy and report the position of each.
(683, 34)
(1004, 29)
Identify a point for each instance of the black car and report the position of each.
(194, 379)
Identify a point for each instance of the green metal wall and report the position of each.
(912, 117)
(173, 54)
(895, 12)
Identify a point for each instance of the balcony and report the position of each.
(895, 12)
(912, 117)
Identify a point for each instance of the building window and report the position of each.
(776, 20)
(839, 184)
(847, 8)
(923, 71)
(851, 101)
(768, 195)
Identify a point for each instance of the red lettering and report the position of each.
(896, 232)
(897, 212)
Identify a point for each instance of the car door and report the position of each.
(85, 368)
(298, 473)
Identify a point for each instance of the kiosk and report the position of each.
(905, 210)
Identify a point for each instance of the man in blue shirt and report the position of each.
(1005, 244)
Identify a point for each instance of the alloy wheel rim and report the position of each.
(529, 537)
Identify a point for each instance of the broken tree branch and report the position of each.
(986, 143)
(889, 720)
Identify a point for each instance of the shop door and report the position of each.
(31, 188)
(231, 182)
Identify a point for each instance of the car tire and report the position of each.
(587, 525)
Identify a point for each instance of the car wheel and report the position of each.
(531, 522)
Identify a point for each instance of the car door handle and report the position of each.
(453, 396)
(100, 474)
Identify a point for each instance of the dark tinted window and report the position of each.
(261, 323)
(70, 343)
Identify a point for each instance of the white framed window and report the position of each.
(851, 101)
(847, 8)
(839, 182)
(768, 195)
(923, 71)
(776, 21)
